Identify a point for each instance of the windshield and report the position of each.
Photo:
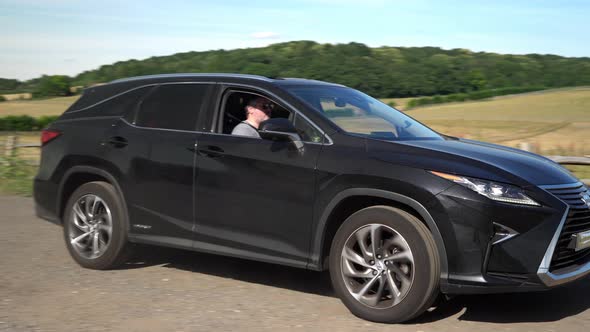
(360, 114)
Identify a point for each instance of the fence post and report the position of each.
(10, 147)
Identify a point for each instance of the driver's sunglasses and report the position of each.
(266, 106)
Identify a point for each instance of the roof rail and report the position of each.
(178, 75)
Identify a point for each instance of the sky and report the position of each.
(67, 37)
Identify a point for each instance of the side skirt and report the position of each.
(209, 248)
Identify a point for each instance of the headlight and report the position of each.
(497, 191)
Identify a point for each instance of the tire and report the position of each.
(407, 258)
(105, 244)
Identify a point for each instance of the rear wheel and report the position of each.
(384, 265)
(95, 228)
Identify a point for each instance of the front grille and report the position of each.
(578, 220)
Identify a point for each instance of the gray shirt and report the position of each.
(245, 129)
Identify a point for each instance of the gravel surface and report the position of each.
(42, 289)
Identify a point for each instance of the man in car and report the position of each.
(257, 110)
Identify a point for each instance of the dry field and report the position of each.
(18, 96)
(552, 122)
(37, 108)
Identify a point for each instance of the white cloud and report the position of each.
(265, 35)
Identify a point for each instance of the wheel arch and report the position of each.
(80, 174)
(327, 224)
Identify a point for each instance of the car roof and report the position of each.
(218, 76)
(96, 93)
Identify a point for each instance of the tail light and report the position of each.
(48, 136)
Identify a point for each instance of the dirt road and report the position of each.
(42, 289)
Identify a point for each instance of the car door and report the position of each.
(254, 197)
(160, 140)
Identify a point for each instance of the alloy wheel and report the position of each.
(91, 226)
(377, 266)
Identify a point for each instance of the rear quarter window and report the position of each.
(115, 106)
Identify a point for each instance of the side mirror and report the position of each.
(280, 129)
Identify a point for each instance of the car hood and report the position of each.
(476, 159)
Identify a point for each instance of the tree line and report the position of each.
(45, 86)
(385, 72)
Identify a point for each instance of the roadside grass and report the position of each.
(17, 171)
(16, 176)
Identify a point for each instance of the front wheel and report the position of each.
(384, 265)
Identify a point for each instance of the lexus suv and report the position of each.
(337, 180)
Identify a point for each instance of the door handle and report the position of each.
(117, 141)
(211, 151)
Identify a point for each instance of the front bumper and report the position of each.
(579, 267)
(525, 262)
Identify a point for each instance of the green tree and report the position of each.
(50, 86)
(477, 80)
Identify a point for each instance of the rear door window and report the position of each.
(172, 106)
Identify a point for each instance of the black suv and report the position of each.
(337, 180)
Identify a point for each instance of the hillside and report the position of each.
(385, 72)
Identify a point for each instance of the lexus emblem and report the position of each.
(586, 199)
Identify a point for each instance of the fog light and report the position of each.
(502, 233)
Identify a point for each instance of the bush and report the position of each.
(2, 98)
(475, 95)
(25, 122)
(44, 121)
(17, 123)
(411, 104)
(457, 97)
(438, 99)
(484, 94)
